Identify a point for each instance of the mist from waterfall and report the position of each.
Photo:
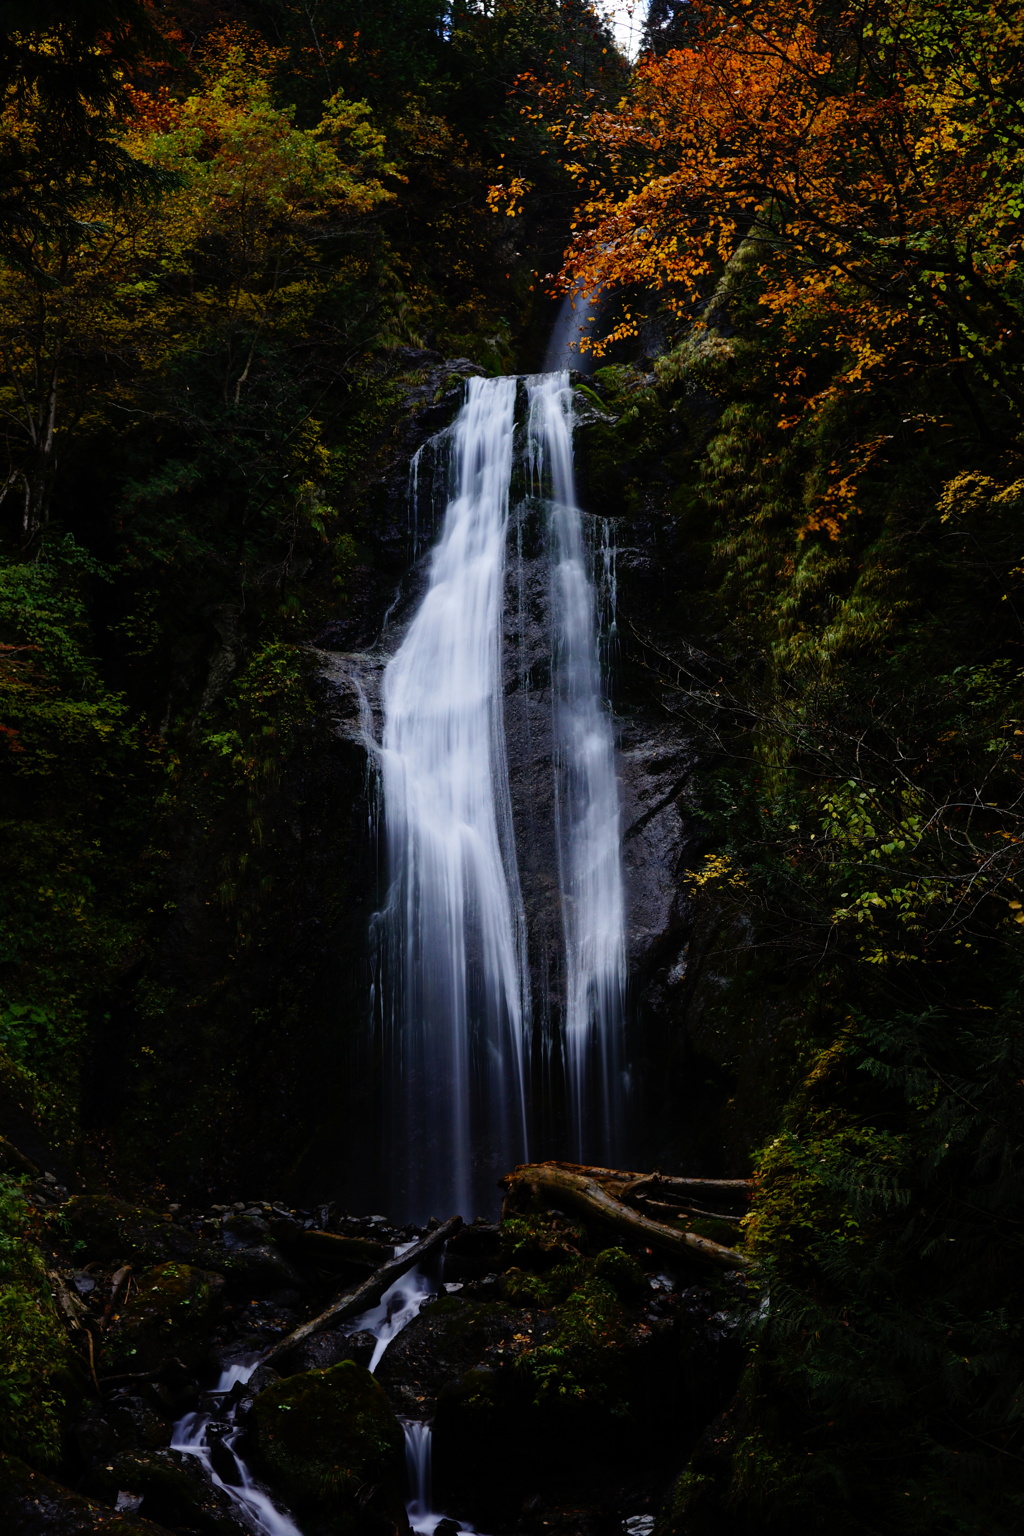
(454, 996)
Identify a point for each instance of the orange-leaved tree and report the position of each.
(872, 153)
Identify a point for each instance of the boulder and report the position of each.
(474, 1251)
(127, 1422)
(451, 1336)
(329, 1348)
(114, 1232)
(34, 1505)
(167, 1317)
(330, 1443)
(171, 1489)
(559, 1391)
(253, 1270)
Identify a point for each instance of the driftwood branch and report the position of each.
(597, 1193)
(361, 1297)
(665, 1183)
(674, 1210)
(333, 1250)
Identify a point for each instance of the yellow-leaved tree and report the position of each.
(873, 165)
(257, 221)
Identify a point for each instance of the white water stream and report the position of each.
(586, 795)
(192, 1435)
(454, 949)
(212, 1436)
(455, 978)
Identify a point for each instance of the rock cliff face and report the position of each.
(280, 997)
(655, 758)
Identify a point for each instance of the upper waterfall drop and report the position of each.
(566, 348)
(455, 991)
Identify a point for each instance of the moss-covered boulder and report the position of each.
(167, 1318)
(450, 1336)
(34, 1505)
(259, 1270)
(174, 1489)
(330, 1444)
(41, 1381)
(114, 1232)
(581, 1379)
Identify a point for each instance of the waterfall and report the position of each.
(212, 1431)
(586, 794)
(453, 954)
(576, 315)
(455, 981)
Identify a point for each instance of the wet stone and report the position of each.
(330, 1348)
(330, 1445)
(173, 1489)
(136, 1424)
(32, 1504)
(167, 1318)
(449, 1337)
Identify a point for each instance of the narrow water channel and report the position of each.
(212, 1433)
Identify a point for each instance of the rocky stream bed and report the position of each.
(529, 1376)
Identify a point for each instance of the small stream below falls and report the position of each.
(213, 1433)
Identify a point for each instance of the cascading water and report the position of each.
(455, 1007)
(212, 1435)
(206, 1435)
(586, 796)
(455, 979)
(576, 318)
(455, 988)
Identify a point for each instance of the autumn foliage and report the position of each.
(872, 156)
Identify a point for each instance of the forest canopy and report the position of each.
(244, 249)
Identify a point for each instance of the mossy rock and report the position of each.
(539, 1242)
(256, 1271)
(42, 1380)
(114, 1232)
(330, 1443)
(168, 1318)
(450, 1336)
(622, 1272)
(728, 1233)
(175, 1491)
(34, 1505)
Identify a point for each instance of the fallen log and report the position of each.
(331, 1249)
(576, 1187)
(693, 1212)
(665, 1183)
(361, 1297)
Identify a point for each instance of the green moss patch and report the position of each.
(36, 1376)
(331, 1444)
(167, 1318)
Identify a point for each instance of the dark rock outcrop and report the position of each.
(329, 1442)
(172, 1489)
(32, 1504)
(168, 1317)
